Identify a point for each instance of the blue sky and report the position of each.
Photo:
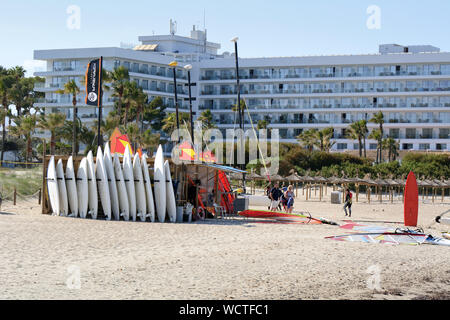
(265, 28)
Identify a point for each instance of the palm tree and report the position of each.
(130, 96)
(22, 94)
(308, 139)
(52, 122)
(140, 105)
(170, 122)
(119, 77)
(324, 137)
(356, 132)
(71, 88)
(133, 133)
(150, 141)
(262, 125)
(108, 126)
(376, 135)
(207, 120)
(25, 127)
(6, 82)
(379, 119)
(393, 147)
(154, 113)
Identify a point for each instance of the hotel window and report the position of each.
(144, 69)
(411, 133)
(445, 69)
(342, 146)
(441, 146)
(394, 133)
(424, 146)
(444, 133)
(444, 101)
(427, 134)
(116, 64)
(412, 70)
(444, 85)
(126, 65)
(408, 146)
(144, 84)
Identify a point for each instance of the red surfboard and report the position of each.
(411, 201)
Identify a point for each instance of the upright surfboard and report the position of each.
(129, 183)
(83, 189)
(124, 205)
(92, 182)
(71, 185)
(62, 191)
(52, 186)
(141, 202)
(160, 185)
(103, 186)
(411, 201)
(148, 189)
(107, 159)
(170, 195)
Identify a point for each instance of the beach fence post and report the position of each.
(39, 197)
(15, 195)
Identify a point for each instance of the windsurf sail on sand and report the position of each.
(437, 241)
(369, 229)
(299, 218)
(384, 238)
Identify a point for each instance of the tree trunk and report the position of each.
(74, 131)
(365, 148)
(126, 115)
(360, 147)
(52, 144)
(29, 149)
(5, 103)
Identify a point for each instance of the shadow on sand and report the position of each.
(6, 213)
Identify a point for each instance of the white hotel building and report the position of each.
(410, 85)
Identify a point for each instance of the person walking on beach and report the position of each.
(275, 196)
(289, 195)
(348, 203)
(268, 189)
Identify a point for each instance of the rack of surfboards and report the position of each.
(124, 191)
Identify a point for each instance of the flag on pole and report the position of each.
(93, 83)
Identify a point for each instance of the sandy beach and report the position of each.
(216, 259)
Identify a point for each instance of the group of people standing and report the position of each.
(281, 198)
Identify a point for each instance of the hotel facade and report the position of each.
(410, 85)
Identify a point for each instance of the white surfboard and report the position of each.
(71, 185)
(141, 202)
(92, 182)
(103, 185)
(160, 185)
(62, 191)
(83, 189)
(124, 206)
(170, 194)
(148, 189)
(52, 186)
(129, 182)
(112, 183)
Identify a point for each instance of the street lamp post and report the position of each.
(240, 110)
(174, 65)
(238, 83)
(189, 68)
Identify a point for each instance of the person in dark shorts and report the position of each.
(275, 197)
(348, 203)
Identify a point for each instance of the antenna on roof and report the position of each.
(173, 27)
